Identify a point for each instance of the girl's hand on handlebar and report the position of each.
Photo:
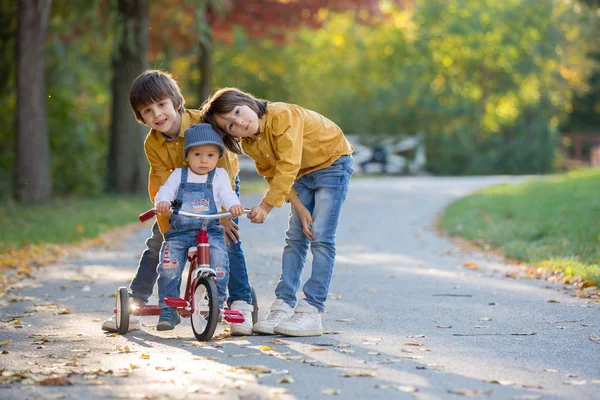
(259, 213)
(162, 207)
(236, 210)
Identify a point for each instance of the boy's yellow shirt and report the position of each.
(293, 141)
(166, 155)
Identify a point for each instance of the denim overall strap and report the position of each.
(197, 198)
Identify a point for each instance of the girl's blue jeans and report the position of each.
(146, 276)
(322, 192)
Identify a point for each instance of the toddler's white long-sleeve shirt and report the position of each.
(224, 196)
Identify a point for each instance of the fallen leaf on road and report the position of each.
(471, 265)
(528, 397)
(145, 356)
(573, 382)
(408, 389)
(413, 344)
(445, 326)
(5, 342)
(55, 381)
(330, 392)
(550, 370)
(318, 349)
(503, 383)
(470, 393)
(169, 368)
(486, 319)
(594, 337)
(286, 379)
(265, 348)
(345, 319)
(553, 301)
(277, 342)
(359, 374)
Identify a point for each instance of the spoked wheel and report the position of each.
(206, 309)
(122, 310)
(255, 305)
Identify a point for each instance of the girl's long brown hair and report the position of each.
(223, 102)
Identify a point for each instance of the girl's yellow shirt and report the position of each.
(166, 155)
(293, 141)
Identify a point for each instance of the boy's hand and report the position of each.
(231, 231)
(162, 207)
(259, 213)
(236, 210)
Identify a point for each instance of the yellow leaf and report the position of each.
(265, 348)
(133, 366)
(318, 349)
(4, 343)
(286, 379)
(145, 356)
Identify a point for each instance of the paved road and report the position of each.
(405, 319)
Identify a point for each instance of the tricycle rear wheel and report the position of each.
(122, 319)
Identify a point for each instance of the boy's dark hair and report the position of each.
(152, 86)
(223, 102)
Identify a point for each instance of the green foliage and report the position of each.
(543, 221)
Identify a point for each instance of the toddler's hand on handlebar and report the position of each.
(236, 210)
(162, 207)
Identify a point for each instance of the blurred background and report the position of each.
(448, 87)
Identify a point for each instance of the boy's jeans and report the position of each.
(322, 192)
(145, 278)
(174, 257)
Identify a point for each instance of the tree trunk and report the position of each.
(127, 165)
(205, 61)
(32, 161)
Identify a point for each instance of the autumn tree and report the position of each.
(32, 156)
(216, 20)
(126, 162)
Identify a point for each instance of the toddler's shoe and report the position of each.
(169, 317)
(306, 321)
(243, 328)
(279, 312)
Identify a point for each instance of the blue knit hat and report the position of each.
(200, 134)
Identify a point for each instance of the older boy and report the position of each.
(157, 102)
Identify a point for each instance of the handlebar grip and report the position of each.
(147, 215)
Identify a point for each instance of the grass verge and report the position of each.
(550, 222)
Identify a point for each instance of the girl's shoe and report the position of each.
(306, 321)
(169, 317)
(279, 312)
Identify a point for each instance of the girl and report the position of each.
(306, 160)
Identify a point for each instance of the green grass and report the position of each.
(553, 222)
(72, 220)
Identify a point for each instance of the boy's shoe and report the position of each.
(279, 312)
(110, 325)
(169, 317)
(306, 321)
(243, 328)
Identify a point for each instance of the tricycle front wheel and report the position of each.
(206, 309)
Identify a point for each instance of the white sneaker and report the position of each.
(243, 328)
(110, 324)
(279, 312)
(306, 321)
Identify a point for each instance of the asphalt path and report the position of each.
(411, 314)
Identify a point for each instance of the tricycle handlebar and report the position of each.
(152, 212)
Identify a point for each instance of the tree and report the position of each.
(126, 162)
(32, 159)
(271, 19)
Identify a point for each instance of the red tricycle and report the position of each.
(201, 300)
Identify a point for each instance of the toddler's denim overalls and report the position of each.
(197, 198)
